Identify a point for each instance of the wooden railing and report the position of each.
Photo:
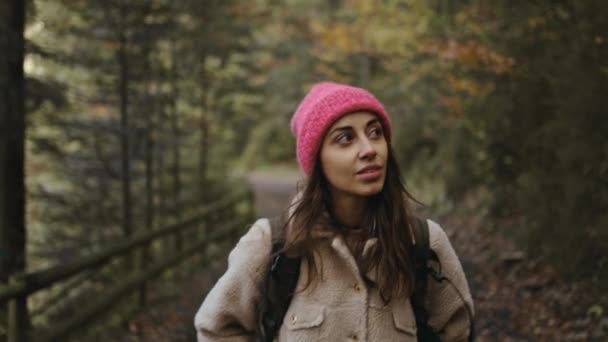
(218, 221)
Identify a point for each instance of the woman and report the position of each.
(352, 227)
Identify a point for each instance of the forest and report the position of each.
(118, 116)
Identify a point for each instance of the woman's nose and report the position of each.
(368, 151)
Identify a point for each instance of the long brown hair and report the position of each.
(388, 212)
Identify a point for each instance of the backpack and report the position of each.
(281, 280)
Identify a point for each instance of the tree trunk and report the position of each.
(150, 136)
(203, 149)
(149, 166)
(12, 132)
(160, 171)
(175, 133)
(364, 73)
(123, 93)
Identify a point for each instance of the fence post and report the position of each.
(177, 236)
(18, 319)
(205, 230)
(178, 241)
(142, 260)
(251, 205)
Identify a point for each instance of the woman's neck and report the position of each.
(349, 210)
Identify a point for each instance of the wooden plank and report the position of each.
(132, 283)
(18, 321)
(12, 290)
(35, 281)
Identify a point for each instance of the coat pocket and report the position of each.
(404, 319)
(304, 316)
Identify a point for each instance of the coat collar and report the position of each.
(319, 231)
(340, 246)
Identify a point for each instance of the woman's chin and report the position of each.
(369, 189)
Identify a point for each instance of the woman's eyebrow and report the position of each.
(341, 128)
(372, 121)
(349, 128)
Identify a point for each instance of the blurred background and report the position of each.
(137, 109)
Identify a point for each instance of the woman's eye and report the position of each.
(344, 138)
(376, 132)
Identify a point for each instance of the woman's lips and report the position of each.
(370, 174)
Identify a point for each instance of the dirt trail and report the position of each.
(519, 298)
(170, 314)
(273, 191)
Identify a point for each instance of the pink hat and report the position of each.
(325, 103)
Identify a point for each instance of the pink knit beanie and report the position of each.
(325, 103)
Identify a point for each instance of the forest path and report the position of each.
(516, 298)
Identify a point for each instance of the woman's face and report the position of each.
(353, 155)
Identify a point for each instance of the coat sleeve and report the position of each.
(448, 304)
(228, 312)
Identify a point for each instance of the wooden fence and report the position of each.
(219, 221)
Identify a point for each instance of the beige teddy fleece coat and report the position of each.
(341, 307)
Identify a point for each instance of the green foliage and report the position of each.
(506, 97)
(74, 132)
(542, 126)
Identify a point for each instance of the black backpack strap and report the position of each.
(424, 257)
(278, 234)
(278, 286)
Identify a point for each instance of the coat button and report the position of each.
(357, 287)
(354, 337)
(294, 319)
